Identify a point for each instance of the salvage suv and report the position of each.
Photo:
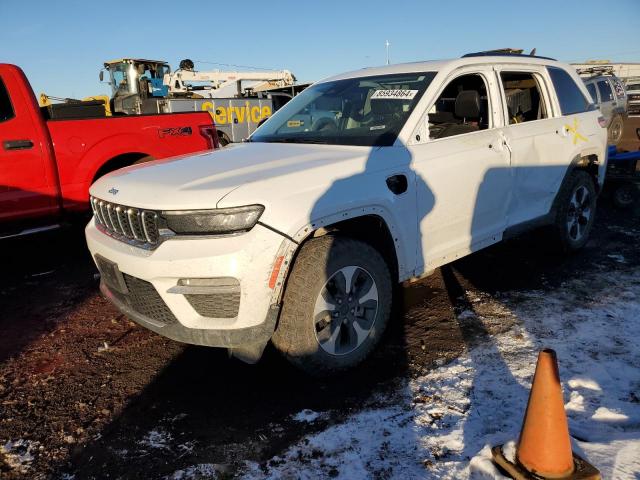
(365, 179)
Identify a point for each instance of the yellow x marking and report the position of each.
(576, 135)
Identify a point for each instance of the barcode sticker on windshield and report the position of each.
(395, 94)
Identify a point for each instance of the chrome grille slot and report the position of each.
(105, 216)
(149, 223)
(136, 226)
(121, 212)
(129, 224)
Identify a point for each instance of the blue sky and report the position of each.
(61, 44)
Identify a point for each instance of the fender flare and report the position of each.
(290, 246)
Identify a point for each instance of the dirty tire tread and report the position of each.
(562, 240)
(294, 337)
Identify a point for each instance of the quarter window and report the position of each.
(522, 92)
(6, 110)
(606, 94)
(571, 98)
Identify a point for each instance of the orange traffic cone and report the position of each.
(544, 447)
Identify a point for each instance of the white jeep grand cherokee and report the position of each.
(365, 179)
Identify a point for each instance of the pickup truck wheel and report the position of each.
(223, 140)
(336, 305)
(614, 132)
(576, 211)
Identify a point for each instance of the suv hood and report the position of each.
(202, 181)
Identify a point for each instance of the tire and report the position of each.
(576, 208)
(321, 336)
(223, 140)
(624, 195)
(615, 130)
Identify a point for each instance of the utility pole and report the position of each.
(387, 44)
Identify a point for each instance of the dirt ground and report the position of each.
(85, 393)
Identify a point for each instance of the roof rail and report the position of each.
(503, 53)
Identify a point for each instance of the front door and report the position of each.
(26, 189)
(462, 170)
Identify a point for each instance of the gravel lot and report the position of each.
(85, 393)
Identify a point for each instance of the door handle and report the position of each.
(17, 144)
(397, 184)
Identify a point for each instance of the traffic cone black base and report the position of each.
(583, 469)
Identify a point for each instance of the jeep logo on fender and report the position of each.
(175, 132)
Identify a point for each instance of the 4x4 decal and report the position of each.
(175, 132)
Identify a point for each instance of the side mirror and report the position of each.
(101, 75)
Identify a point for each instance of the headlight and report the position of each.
(216, 221)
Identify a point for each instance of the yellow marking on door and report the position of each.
(574, 130)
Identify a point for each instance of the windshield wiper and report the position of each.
(296, 140)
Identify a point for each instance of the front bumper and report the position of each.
(228, 338)
(155, 300)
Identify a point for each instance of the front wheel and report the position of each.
(336, 306)
(576, 211)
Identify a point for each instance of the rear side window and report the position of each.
(569, 94)
(592, 91)
(6, 110)
(525, 102)
(606, 94)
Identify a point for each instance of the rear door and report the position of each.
(532, 134)
(27, 188)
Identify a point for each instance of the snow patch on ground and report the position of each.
(19, 454)
(158, 438)
(306, 415)
(200, 471)
(443, 424)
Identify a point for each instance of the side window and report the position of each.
(6, 110)
(569, 94)
(592, 91)
(462, 107)
(606, 94)
(525, 102)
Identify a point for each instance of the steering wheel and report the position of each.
(324, 124)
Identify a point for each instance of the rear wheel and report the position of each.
(624, 195)
(336, 306)
(223, 140)
(576, 211)
(614, 132)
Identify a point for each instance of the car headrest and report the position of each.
(468, 104)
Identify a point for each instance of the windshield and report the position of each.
(120, 82)
(357, 111)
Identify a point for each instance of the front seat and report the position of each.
(467, 112)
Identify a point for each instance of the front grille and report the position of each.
(133, 224)
(222, 305)
(144, 299)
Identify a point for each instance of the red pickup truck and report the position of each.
(48, 164)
